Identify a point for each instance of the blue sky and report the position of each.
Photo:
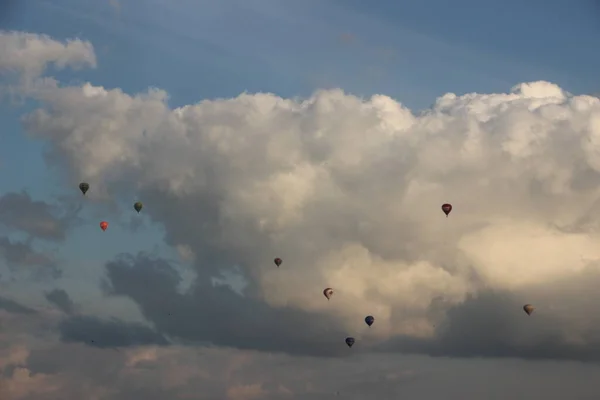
(413, 51)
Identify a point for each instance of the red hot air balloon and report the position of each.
(103, 225)
(446, 208)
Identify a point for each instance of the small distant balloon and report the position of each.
(446, 208)
(369, 320)
(528, 308)
(103, 225)
(328, 292)
(84, 187)
(350, 341)
(278, 261)
(138, 206)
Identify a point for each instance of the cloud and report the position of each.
(23, 260)
(18, 211)
(487, 326)
(13, 307)
(347, 191)
(29, 54)
(112, 333)
(61, 299)
(217, 314)
(74, 371)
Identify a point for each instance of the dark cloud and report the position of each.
(61, 299)
(36, 218)
(21, 254)
(493, 324)
(219, 315)
(107, 333)
(490, 324)
(22, 258)
(13, 307)
(184, 372)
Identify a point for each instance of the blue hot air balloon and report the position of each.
(349, 341)
(369, 320)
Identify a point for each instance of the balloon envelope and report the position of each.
(138, 206)
(328, 292)
(350, 341)
(84, 187)
(278, 261)
(446, 208)
(103, 225)
(528, 308)
(369, 320)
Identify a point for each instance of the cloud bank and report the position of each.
(347, 191)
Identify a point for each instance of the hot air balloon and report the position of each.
(138, 206)
(528, 308)
(369, 320)
(278, 261)
(103, 225)
(328, 292)
(350, 341)
(84, 187)
(446, 208)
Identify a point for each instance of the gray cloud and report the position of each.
(13, 307)
(493, 324)
(152, 373)
(22, 259)
(219, 315)
(21, 254)
(37, 218)
(490, 324)
(61, 299)
(107, 333)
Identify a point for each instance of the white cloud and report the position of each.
(346, 190)
(30, 53)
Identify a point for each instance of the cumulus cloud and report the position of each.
(347, 191)
(30, 53)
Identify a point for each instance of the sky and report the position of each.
(327, 133)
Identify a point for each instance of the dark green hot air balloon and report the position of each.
(84, 187)
(138, 206)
